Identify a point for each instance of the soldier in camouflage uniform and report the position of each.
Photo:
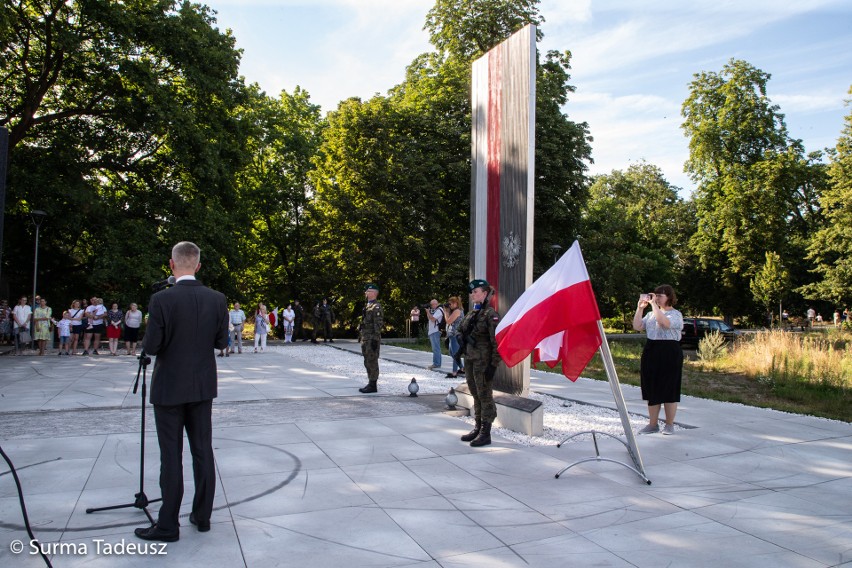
(371, 336)
(481, 360)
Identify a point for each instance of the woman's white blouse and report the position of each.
(657, 332)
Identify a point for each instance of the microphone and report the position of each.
(163, 284)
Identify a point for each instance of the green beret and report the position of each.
(370, 286)
(474, 284)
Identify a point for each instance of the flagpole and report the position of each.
(630, 444)
(618, 395)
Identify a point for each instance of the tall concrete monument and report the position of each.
(502, 181)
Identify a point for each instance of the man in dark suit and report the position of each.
(186, 324)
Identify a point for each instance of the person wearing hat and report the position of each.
(371, 336)
(481, 360)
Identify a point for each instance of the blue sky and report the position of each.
(632, 61)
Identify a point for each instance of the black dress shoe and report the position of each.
(203, 526)
(154, 532)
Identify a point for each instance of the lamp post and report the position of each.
(37, 216)
(555, 249)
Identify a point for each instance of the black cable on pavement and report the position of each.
(24, 507)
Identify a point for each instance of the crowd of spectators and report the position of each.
(79, 326)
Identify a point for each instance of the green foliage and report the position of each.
(771, 282)
(562, 154)
(122, 130)
(381, 210)
(730, 121)
(129, 125)
(469, 28)
(756, 189)
(617, 324)
(633, 227)
(831, 246)
(273, 194)
(439, 84)
(393, 174)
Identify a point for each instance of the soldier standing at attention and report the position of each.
(481, 360)
(371, 336)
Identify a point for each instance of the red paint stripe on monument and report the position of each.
(492, 260)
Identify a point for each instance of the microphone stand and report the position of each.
(141, 500)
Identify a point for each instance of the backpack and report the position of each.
(442, 325)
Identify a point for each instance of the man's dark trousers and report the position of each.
(171, 420)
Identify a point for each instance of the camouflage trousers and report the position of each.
(481, 390)
(371, 357)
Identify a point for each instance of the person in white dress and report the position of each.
(288, 316)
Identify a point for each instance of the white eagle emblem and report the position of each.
(511, 250)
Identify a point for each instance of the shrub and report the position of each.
(711, 347)
(616, 324)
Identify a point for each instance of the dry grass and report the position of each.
(816, 358)
(801, 373)
(808, 373)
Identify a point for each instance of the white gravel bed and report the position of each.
(561, 418)
(393, 378)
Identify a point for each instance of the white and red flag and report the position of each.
(556, 319)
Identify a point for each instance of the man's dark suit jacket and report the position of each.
(185, 324)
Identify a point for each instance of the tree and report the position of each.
(770, 283)
(633, 227)
(424, 125)
(830, 249)
(463, 30)
(562, 153)
(122, 128)
(380, 209)
(755, 189)
(274, 192)
(468, 28)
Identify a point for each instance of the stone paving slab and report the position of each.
(309, 473)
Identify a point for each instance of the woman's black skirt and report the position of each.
(661, 370)
(131, 334)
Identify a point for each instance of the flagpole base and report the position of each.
(598, 457)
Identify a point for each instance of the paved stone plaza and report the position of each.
(313, 474)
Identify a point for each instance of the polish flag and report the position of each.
(556, 319)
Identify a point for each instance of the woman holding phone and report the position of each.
(661, 367)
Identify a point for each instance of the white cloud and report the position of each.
(632, 61)
(560, 12)
(633, 128)
(806, 103)
(334, 49)
(626, 34)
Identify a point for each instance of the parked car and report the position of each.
(696, 328)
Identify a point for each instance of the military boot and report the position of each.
(473, 433)
(369, 387)
(484, 437)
